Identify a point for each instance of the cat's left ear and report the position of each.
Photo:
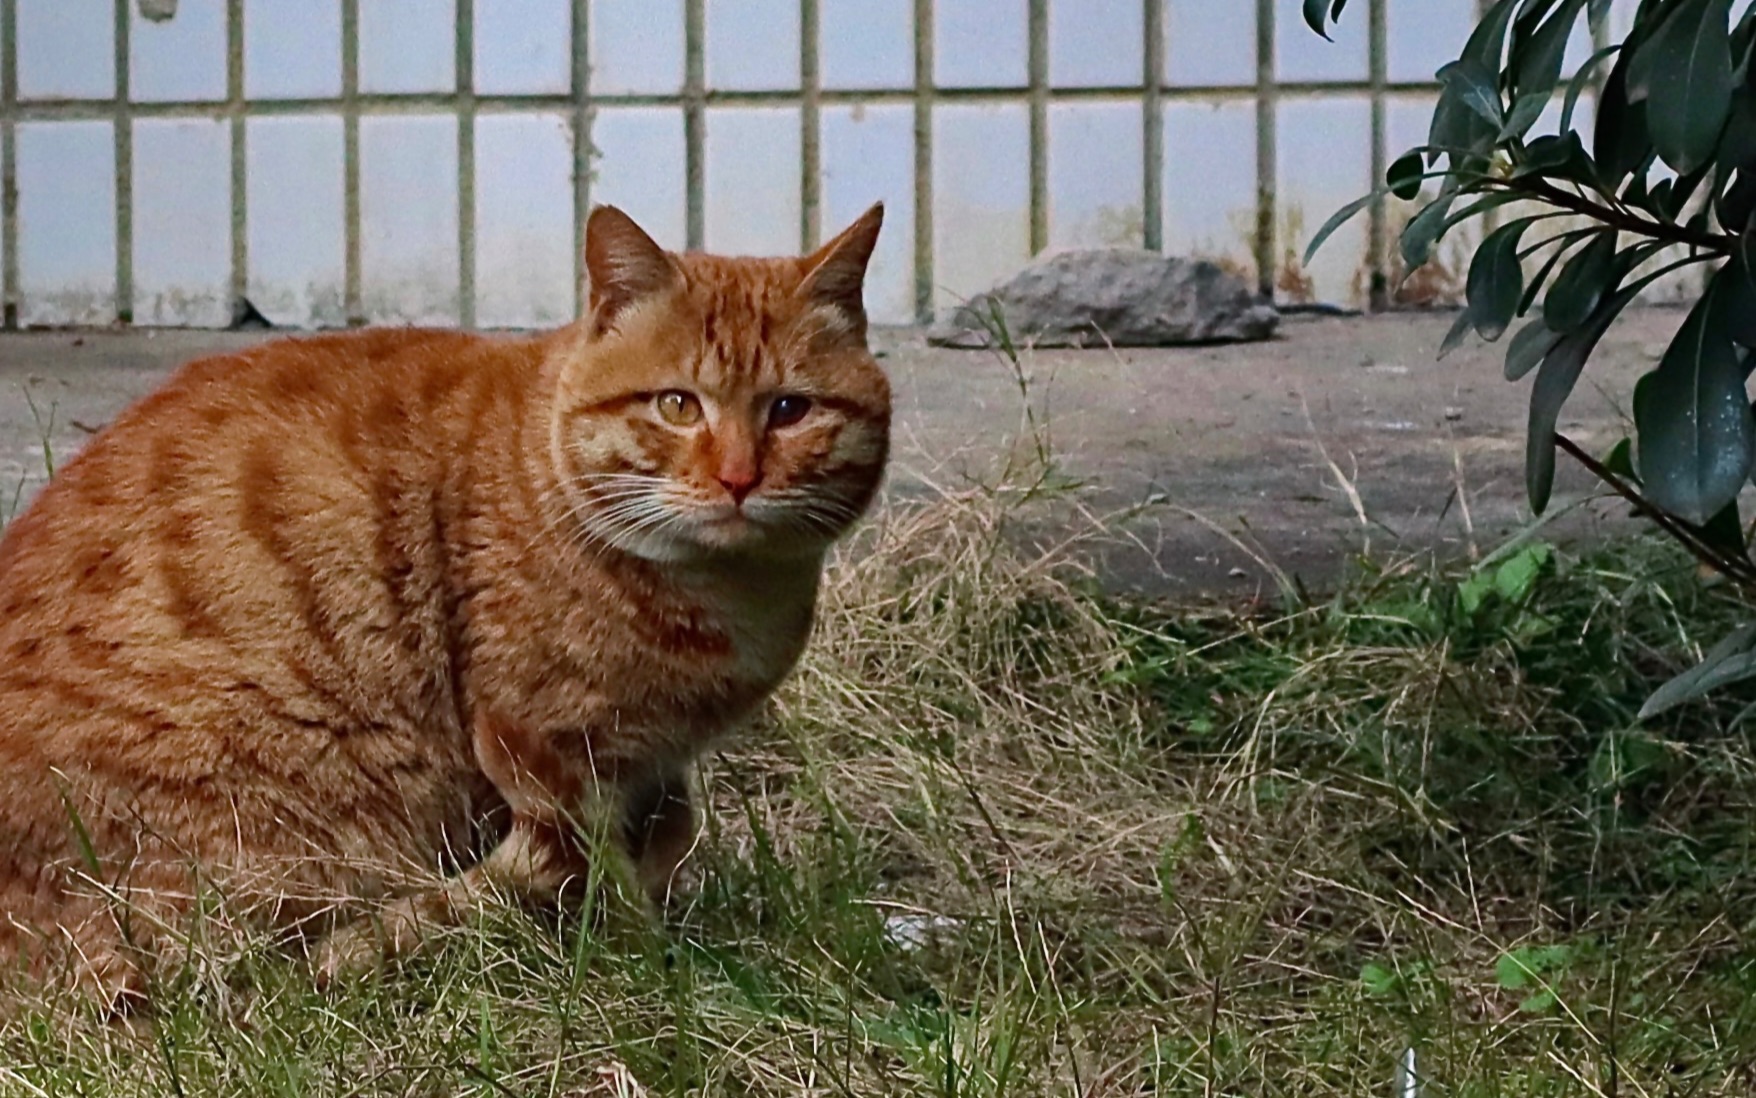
(623, 265)
(836, 273)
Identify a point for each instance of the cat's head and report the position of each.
(721, 406)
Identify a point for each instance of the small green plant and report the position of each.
(45, 424)
(1535, 970)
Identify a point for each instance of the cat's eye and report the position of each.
(788, 410)
(678, 408)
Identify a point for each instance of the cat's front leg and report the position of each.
(532, 864)
(658, 825)
(564, 819)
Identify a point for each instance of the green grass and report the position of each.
(1004, 835)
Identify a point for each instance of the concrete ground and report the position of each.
(1235, 456)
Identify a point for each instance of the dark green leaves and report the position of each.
(1575, 87)
(1693, 419)
(1528, 348)
(1486, 41)
(1680, 95)
(1424, 230)
(1731, 660)
(1557, 157)
(1620, 142)
(1471, 84)
(1404, 177)
(1555, 379)
(1320, 13)
(1336, 221)
(1536, 60)
(1738, 283)
(1523, 115)
(1428, 227)
(1496, 280)
(1687, 67)
(1735, 205)
(1468, 118)
(1581, 283)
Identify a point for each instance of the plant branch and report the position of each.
(1543, 190)
(1739, 570)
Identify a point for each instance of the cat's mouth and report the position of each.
(680, 529)
(727, 527)
(739, 528)
(729, 521)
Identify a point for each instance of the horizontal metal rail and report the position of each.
(78, 110)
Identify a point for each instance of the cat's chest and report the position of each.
(703, 645)
(767, 628)
(753, 624)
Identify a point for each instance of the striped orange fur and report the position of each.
(421, 599)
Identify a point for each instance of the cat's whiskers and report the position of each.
(600, 489)
(817, 510)
(645, 514)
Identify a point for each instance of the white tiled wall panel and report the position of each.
(66, 223)
(182, 222)
(297, 220)
(1095, 181)
(408, 249)
(753, 180)
(524, 220)
(981, 197)
(752, 197)
(868, 156)
(639, 167)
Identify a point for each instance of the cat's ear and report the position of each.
(836, 273)
(623, 264)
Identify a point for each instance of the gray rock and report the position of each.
(1113, 297)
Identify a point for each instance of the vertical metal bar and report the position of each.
(1267, 94)
(465, 51)
(1152, 121)
(810, 128)
(581, 89)
(695, 121)
(923, 20)
(235, 107)
(124, 124)
(1377, 227)
(1039, 125)
(350, 146)
(9, 160)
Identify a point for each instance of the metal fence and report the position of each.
(693, 100)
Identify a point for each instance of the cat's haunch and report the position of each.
(330, 615)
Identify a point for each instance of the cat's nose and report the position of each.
(739, 482)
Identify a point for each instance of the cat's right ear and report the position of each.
(623, 264)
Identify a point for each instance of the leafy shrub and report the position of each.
(1666, 180)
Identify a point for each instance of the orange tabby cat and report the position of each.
(339, 605)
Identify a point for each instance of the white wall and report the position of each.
(181, 221)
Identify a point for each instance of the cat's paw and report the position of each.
(673, 891)
(362, 947)
(347, 954)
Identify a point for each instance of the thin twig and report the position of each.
(1543, 190)
(1739, 570)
